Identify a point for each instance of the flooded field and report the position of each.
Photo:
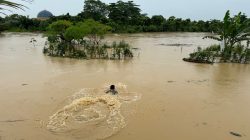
(161, 97)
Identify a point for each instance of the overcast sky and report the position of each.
(194, 9)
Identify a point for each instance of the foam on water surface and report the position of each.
(93, 114)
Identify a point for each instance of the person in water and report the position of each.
(112, 90)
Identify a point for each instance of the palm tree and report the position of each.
(232, 33)
(234, 30)
(7, 3)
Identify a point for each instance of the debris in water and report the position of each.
(235, 134)
(204, 123)
(24, 84)
(198, 81)
(12, 121)
(205, 80)
(176, 45)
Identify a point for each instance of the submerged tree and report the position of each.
(82, 40)
(58, 28)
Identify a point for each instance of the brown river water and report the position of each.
(160, 96)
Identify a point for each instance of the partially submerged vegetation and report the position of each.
(207, 55)
(83, 40)
(234, 36)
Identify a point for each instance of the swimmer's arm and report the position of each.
(107, 91)
(115, 92)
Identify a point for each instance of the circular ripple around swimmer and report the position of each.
(92, 114)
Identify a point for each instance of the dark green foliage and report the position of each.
(124, 13)
(2, 26)
(126, 17)
(157, 20)
(22, 23)
(94, 9)
(247, 55)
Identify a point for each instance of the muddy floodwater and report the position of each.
(160, 96)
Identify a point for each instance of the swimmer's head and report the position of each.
(112, 87)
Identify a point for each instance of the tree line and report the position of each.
(123, 17)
